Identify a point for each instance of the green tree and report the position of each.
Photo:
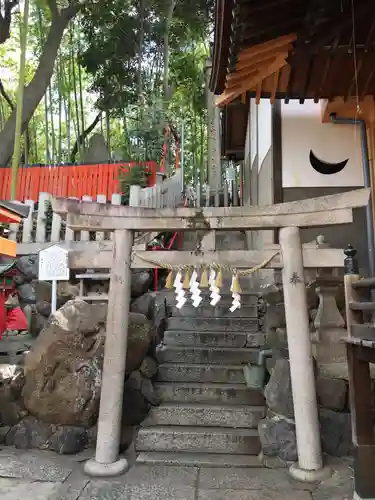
(36, 89)
(107, 73)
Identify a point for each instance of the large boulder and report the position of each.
(63, 369)
(29, 433)
(35, 300)
(11, 408)
(43, 290)
(68, 440)
(141, 282)
(40, 293)
(32, 433)
(26, 293)
(28, 266)
(332, 393)
(35, 320)
(139, 341)
(278, 391)
(135, 407)
(154, 306)
(336, 433)
(67, 291)
(274, 317)
(149, 367)
(278, 437)
(145, 304)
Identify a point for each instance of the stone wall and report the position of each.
(51, 399)
(35, 296)
(277, 429)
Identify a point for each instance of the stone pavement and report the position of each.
(41, 475)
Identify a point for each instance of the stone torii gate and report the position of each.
(291, 257)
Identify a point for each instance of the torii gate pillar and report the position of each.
(107, 462)
(310, 463)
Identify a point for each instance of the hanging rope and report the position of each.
(218, 267)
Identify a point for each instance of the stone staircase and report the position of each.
(207, 415)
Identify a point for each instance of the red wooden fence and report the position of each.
(70, 180)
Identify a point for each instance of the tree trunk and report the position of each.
(108, 132)
(141, 101)
(67, 106)
(53, 135)
(166, 90)
(36, 89)
(46, 131)
(6, 18)
(47, 150)
(141, 12)
(20, 91)
(59, 89)
(168, 21)
(8, 100)
(76, 103)
(81, 102)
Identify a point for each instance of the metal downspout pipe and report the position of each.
(367, 184)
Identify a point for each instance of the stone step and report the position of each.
(233, 394)
(198, 459)
(205, 415)
(198, 440)
(200, 373)
(221, 310)
(213, 324)
(206, 355)
(214, 339)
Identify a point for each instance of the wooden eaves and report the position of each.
(293, 49)
(11, 212)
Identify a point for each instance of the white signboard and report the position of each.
(308, 144)
(53, 264)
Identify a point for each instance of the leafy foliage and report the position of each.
(137, 176)
(112, 59)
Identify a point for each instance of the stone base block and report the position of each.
(309, 476)
(96, 469)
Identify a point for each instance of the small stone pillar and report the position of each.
(329, 324)
(328, 321)
(310, 463)
(107, 462)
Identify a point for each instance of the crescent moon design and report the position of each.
(324, 167)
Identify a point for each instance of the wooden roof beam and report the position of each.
(235, 78)
(227, 97)
(346, 108)
(230, 94)
(245, 63)
(272, 45)
(246, 66)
